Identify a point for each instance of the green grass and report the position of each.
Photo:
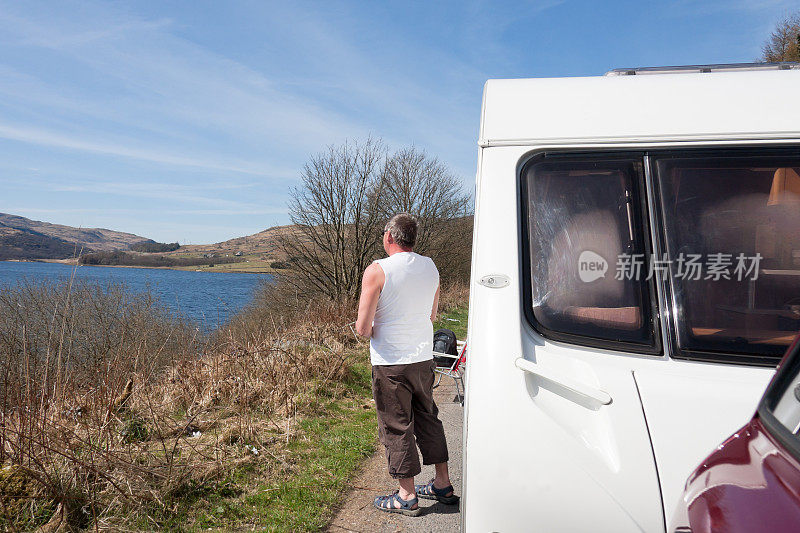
(456, 320)
(297, 488)
(333, 446)
(250, 264)
(327, 460)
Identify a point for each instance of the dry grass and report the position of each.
(454, 294)
(113, 414)
(106, 421)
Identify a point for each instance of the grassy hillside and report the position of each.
(25, 239)
(19, 244)
(257, 253)
(263, 243)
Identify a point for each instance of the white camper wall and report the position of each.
(736, 105)
(535, 459)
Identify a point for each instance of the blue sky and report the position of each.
(190, 120)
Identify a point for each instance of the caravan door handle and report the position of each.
(590, 393)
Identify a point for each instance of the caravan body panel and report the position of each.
(566, 435)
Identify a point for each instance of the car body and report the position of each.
(590, 398)
(751, 482)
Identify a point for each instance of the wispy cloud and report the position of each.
(47, 138)
(710, 6)
(17, 209)
(185, 194)
(180, 95)
(40, 36)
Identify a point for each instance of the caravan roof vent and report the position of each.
(693, 69)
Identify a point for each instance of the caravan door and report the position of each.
(556, 438)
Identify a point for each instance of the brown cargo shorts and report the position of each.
(408, 417)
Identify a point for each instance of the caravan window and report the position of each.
(582, 220)
(732, 229)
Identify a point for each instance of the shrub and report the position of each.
(134, 430)
(148, 260)
(151, 247)
(111, 410)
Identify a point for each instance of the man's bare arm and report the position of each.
(435, 306)
(371, 285)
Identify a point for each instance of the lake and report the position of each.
(208, 298)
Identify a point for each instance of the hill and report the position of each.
(23, 238)
(257, 253)
(263, 243)
(260, 252)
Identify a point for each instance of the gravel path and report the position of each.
(357, 513)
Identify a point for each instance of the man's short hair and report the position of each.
(403, 228)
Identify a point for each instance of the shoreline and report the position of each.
(212, 270)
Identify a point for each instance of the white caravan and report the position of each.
(635, 279)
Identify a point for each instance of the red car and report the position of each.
(751, 482)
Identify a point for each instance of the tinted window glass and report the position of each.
(787, 406)
(780, 406)
(582, 215)
(732, 225)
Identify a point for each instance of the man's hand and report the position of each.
(371, 286)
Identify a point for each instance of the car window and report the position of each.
(779, 409)
(732, 234)
(583, 215)
(787, 409)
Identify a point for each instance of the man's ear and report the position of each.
(389, 237)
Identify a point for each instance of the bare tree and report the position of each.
(422, 185)
(337, 222)
(346, 196)
(784, 43)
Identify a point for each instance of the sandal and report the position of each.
(429, 492)
(386, 503)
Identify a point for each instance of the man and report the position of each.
(399, 298)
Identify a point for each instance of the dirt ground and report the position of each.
(357, 513)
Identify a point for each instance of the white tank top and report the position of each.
(402, 332)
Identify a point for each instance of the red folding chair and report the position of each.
(455, 370)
